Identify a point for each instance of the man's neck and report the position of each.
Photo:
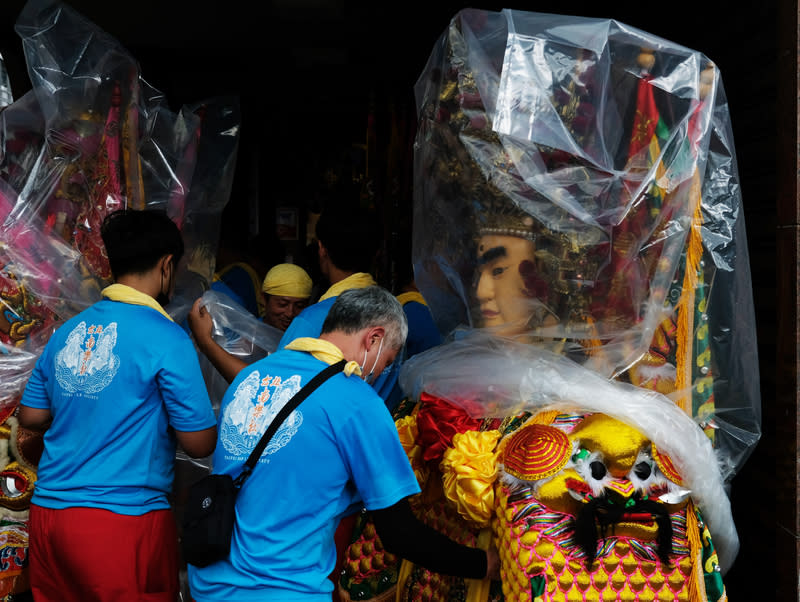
(335, 275)
(144, 283)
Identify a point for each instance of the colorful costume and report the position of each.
(647, 548)
(288, 552)
(546, 464)
(577, 222)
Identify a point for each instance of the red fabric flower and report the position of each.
(437, 422)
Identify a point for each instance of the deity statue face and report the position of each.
(504, 291)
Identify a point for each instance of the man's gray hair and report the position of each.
(359, 308)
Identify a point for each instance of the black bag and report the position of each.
(208, 519)
(210, 511)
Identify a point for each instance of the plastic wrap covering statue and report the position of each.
(579, 238)
(91, 136)
(6, 95)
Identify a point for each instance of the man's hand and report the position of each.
(201, 324)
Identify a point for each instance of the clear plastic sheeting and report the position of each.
(93, 136)
(576, 190)
(90, 137)
(6, 95)
(39, 288)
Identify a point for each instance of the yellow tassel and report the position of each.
(402, 576)
(696, 585)
(595, 345)
(685, 307)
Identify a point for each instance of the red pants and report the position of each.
(92, 555)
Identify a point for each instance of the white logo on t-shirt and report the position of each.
(256, 402)
(87, 362)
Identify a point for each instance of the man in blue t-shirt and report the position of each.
(286, 290)
(348, 243)
(117, 388)
(337, 452)
(348, 240)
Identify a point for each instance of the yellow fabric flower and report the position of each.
(407, 430)
(469, 470)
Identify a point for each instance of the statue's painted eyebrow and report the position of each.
(492, 254)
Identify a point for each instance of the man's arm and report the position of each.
(201, 324)
(198, 444)
(405, 536)
(33, 419)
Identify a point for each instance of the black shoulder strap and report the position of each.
(283, 413)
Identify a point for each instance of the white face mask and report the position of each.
(368, 377)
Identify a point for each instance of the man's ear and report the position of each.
(164, 261)
(374, 336)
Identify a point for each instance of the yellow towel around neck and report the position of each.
(324, 351)
(411, 296)
(127, 294)
(357, 280)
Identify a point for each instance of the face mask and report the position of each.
(368, 377)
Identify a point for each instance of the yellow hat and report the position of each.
(287, 280)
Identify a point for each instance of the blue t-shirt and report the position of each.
(221, 287)
(422, 335)
(239, 280)
(308, 323)
(339, 450)
(422, 330)
(115, 378)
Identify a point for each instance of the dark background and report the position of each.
(312, 74)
